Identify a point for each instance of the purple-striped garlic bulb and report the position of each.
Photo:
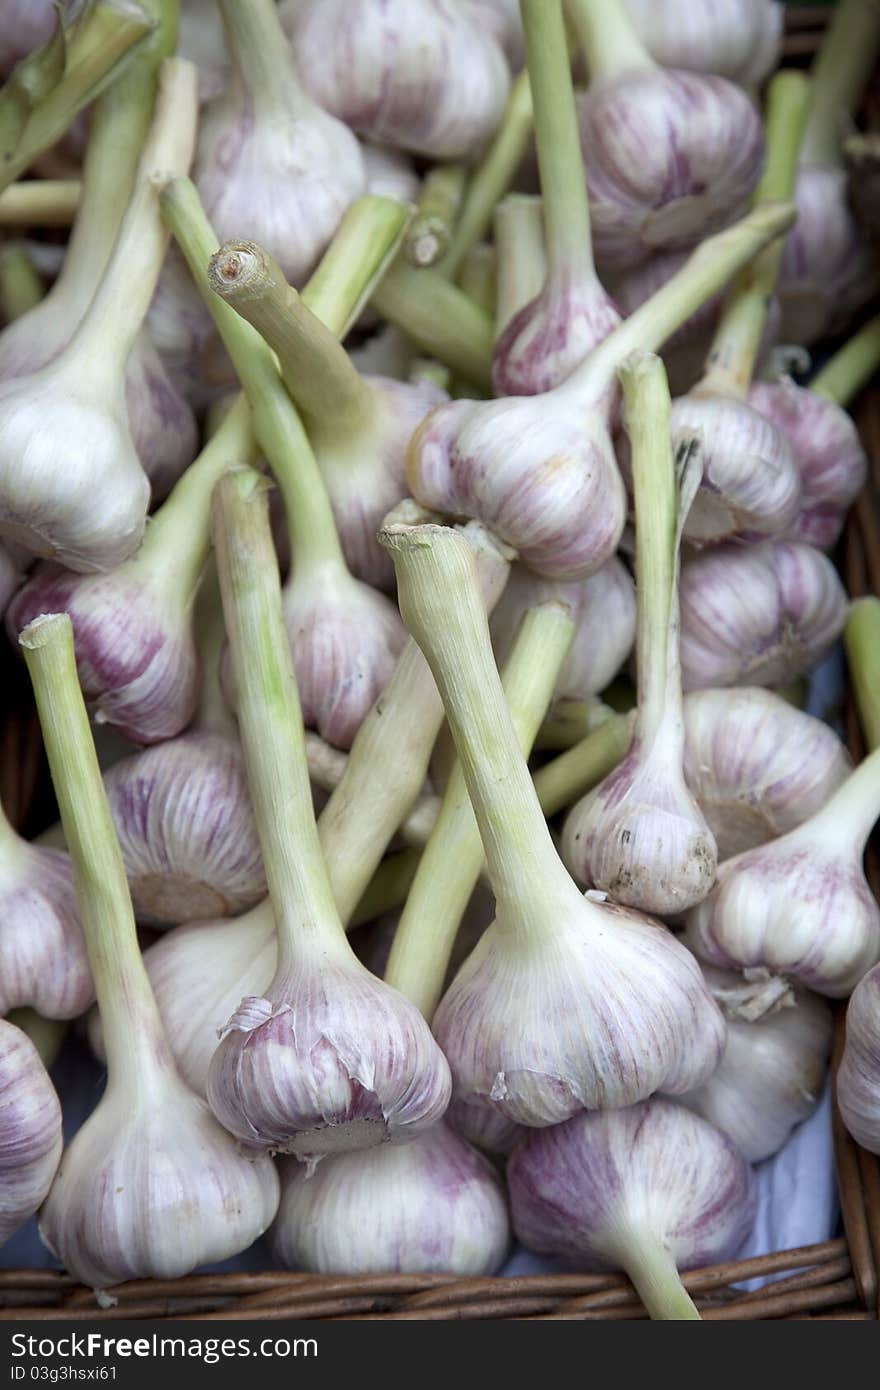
(27, 24)
(800, 909)
(758, 614)
(771, 1075)
(502, 19)
(270, 162)
(671, 156)
(417, 74)
(738, 39)
(858, 1080)
(433, 1205)
(757, 765)
(30, 1130)
(650, 1190)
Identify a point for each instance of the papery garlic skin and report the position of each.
(858, 1079)
(757, 765)
(30, 1130)
(152, 1187)
(513, 1021)
(563, 512)
(71, 485)
(758, 614)
(603, 608)
(592, 1186)
(828, 453)
(186, 829)
(433, 1205)
(771, 1075)
(345, 1063)
(738, 39)
(706, 148)
(551, 335)
(797, 908)
(416, 74)
(42, 946)
(135, 656)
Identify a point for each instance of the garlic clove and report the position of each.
(433, 1205)
(858, 1092)
(30, 1130)
(186, 829)
(757, 766)
(42, 947)
(651, 1189)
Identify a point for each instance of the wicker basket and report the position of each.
(839, 1279)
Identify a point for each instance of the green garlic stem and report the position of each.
(608, 38)
(477, 278)
(850, 813)
(862, 640)
(40, 203)
(735, 346)
(492, 177)
(21, 287)
(453, 857)
(569, 721)
(839, 74)
(134, 1041)
(270, 720)
(388, 887)
(97, 46)
(262, 57)
(566, 777)
(213, 714)
(655, 1277)
(429, 233)
(561, 167)
(363, 248)
(277, 426)
(851, 367)
(518, 226)
(439, 320)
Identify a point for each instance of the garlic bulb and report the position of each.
(150, 1185)
(26, 25)
(329, 1058)
(540, 471)
(503, 20)
(640, 836)
(425, 77)
(551, 334)
(603, 609)
(41, 940)
(10, 576)
(483, 1124)
(186, 338)
(555, 971)
(670, 155)
(202, 42)
(432, 1205)
(651, 1189)
(759, 614)
(359, 427)
(771, 1075)
(739, 39)
(800, 907)
(30, 1130)
(48, 487)
(389, 173)
(757, 766)
(858, 1094)
(270, 162)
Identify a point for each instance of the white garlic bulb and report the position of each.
(30, 1130)
(201, 41)
(739, 39)
(771, 1075)
(389, 173)
(434, 1205)
(858, 1091)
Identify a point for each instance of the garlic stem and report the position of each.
(317, 371)
(851, 367)
(363, 247)
(655, 1277)
(429, 233)
(388, 888)
(453, 857)
(440, 604)
(839, 73)
(609, 39)
(135, 1045)
(571, 720)
(561, 167)
(259, 50)
(277, 426)
(212, 712)
(477, 277)
(850, 813)
(95, 49)
(438, 319)
(20, 285)
(40, 203)
(705, 271)
(521, 259)
(737, 340)
(113, 320)
(492, 177)
(862, 639)
(566, 777)
(270, 719)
